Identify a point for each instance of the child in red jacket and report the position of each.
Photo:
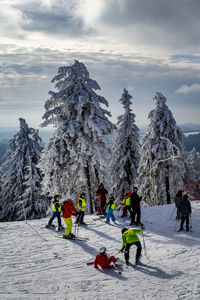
(68, 210)
(103, 261)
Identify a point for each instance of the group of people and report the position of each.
(183, 209)
(129, 237)
(129, 203)
(68, 210)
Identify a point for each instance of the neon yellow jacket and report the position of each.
(130, 236)
(56, 206)
(123, 202)
(128, 201)
(81, 204)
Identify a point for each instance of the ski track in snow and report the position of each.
(35, 264)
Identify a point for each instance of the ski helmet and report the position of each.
(102, 250)
(129, 192)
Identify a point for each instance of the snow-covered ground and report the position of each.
(35, 264)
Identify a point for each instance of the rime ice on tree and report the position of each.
(21, 181)
(161, 169)
(125, 149)
(75, 157)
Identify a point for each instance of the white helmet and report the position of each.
(102, 250)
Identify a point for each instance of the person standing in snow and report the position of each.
(103, 261)
(135, 207)
(128, 201)
(81, 209)
(130, 238)
(56, 208)
(178, 199)
(123, 205)
(185, 211)
(101, 192)
(111, 207)
(68, 210)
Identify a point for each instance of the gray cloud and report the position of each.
(58, 19)
(27, 78)
(170, 23)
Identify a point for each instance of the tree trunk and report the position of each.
(167, 190)
(97, 175)
(88, 189)
(154, 199)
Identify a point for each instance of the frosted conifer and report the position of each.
(193, 166)
(75, 158)
(125, 149)
(162, 168)
(21, 180)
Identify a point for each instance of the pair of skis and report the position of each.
(114, 267)
(76, 238)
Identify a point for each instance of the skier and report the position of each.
(103, 261)
(101, 192)
(111, 207)
(56, 208)
(68, 210)
(82, 209)
(185, 211)
(128, 201)
(130, 238)
(123, 205)
(135, 207)
(178, 199)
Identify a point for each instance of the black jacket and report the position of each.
(185, 208)
(135, 200)
(178, 201)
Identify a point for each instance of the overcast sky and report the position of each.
(145, 46)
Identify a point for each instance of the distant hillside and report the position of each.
(192, 140)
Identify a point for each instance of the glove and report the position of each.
(121, 250)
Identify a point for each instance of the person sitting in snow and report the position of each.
(103, 261)
(56, 208)
(185, 211)
(130, 238)
(111, 207)
(68, 210)
(82, 209)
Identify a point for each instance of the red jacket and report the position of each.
(69, 209)
(102, 261)
(101, 192)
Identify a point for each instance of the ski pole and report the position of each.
(191, 222)
(145, 249)
(75, 227)
(175, 225)
(172, 213)
(78, 229)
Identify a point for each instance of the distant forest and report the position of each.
(192, 140)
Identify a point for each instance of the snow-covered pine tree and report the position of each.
(193, 165)
(161, 170)
(125, 149)
(21, 180)
(75, 158)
